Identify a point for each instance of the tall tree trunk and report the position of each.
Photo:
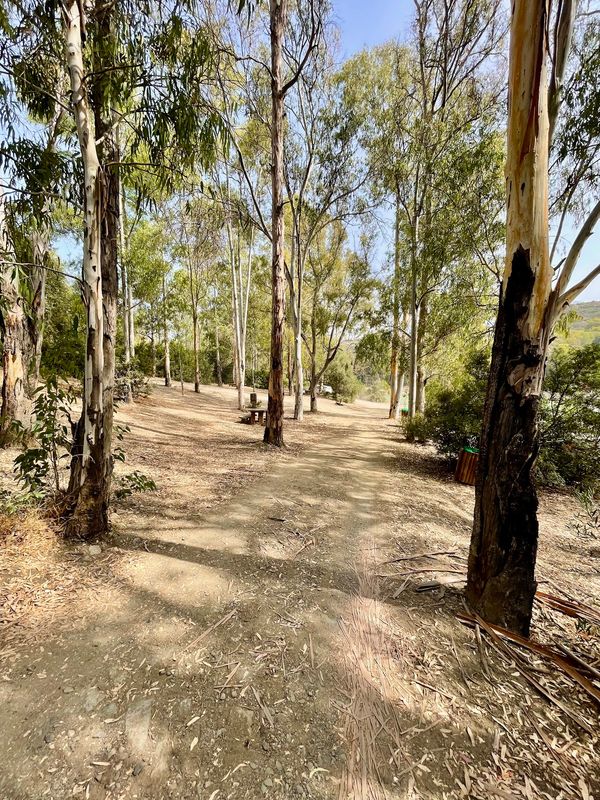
(274, 426)
(394, 365)
(236, 310)
(420, 382)
(219, 370)
(414, 323)
(124, 284)
(401, 380)
(152, 342)
(166, 342)
(413, 361)
(87, 484)
(290, 370)
(125, 295)
(196, 357)
(420, 393)
(501, 573)
(15, 403)
(313, 397)
(14, 378)
(299, 370)
(131, 316)
(40, 246)
(313, 358)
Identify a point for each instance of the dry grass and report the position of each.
(40, 574)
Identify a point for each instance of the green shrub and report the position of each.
(587, 520)
(63, 352)
(48, 440)
(570, 419)
(453, 416)
(418, 428)
(133, 374)
(340, 376)
(133, 482)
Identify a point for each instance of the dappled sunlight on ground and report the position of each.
(256, 628)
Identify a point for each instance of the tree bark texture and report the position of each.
(88, 480)
(414, 323)
(196, 355)
(395, 354)
(124, 293)
(14, 335)
(167, 346)
(274, 427)
(298, 366)
(501, 582)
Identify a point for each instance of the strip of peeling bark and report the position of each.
(89, 512)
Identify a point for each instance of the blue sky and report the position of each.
(364, 24)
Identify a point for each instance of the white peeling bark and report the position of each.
(92, 279)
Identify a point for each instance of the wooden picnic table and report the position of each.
(257, 414)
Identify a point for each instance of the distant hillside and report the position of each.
(585, 328)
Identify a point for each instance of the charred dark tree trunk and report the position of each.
(501, 584)
(501, 574)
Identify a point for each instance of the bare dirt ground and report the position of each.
(244, 633)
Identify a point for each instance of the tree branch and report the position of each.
(563, 31)
(584, 234)
(571, 294)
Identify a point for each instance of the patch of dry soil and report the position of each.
(247, 637)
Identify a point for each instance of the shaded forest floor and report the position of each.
(244, 632)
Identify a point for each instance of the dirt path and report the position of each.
(243, 645)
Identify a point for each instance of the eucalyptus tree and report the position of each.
(501, 574)
(36, 172)
(339, 289)
(13, 323)
(420, 103)
(281, 84)
(148, 261)
(282, 77)
(454, 43)
(241, 244)
(123, 54)
(200, 242)
(324, 172)
(377, 87)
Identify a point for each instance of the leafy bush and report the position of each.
(418, 429)
(64, 329)
(136, 378)
(570, 419)
(587, 521)
(372, 363)
(134, 481)
(340, 376)
(453, 416)
(37, 467)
